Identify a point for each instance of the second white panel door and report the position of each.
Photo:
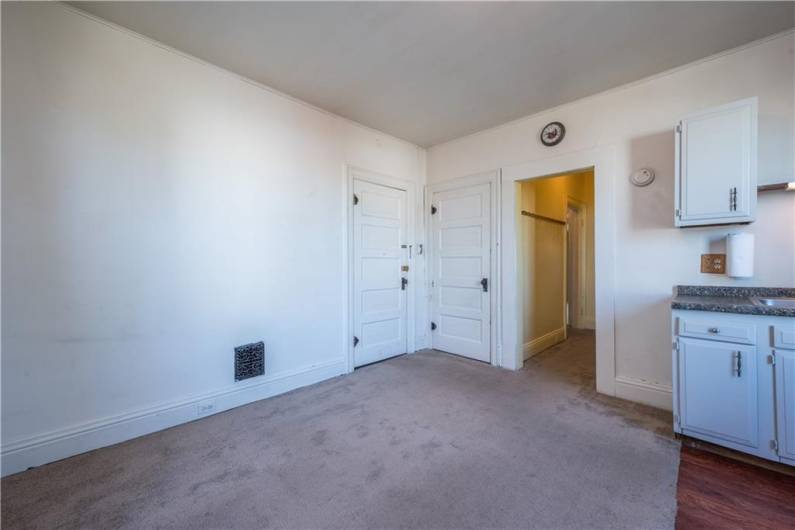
(380, 285)
(461, 271)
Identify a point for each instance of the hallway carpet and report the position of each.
(424, 440)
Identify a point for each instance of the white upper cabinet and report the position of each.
(716, 165)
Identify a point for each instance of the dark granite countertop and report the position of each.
(731, 299)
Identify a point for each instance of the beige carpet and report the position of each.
(423, 441)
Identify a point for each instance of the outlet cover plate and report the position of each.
(203, 408)
(713, 263)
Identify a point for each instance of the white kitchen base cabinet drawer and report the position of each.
(785, 403)
(784, 337)
(719, 328)
(718, 391)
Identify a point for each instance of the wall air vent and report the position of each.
(249, 360)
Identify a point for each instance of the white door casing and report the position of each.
(461, 282)
(602, 160)
(379, 285)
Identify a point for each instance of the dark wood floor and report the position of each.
(717, 492)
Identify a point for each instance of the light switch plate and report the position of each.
(713, 263)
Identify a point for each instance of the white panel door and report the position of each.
(461, 275)
(718, 391)
(785, 403)
(379, 231)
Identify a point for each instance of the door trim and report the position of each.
(602, 160)
(492, 178)
(582, 262)
(349, 174)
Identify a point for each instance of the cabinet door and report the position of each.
(785, 403)
(718, 391)
(716, 165)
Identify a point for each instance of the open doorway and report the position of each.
(557, 268)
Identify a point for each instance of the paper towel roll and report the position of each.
(740, 255)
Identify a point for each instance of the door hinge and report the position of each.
(355, 199)
(433, 210)
(433, 326)
(677, 213)
(774, 445)
(771, 359)
(675, 345)
(678, 128)
(677, 420)
(355, 341)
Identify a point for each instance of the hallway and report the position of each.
(573, 363)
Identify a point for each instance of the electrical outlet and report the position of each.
(205, 407)
(713, 263)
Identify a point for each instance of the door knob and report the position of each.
(485, 284)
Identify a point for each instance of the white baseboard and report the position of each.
(49, 447)
(640, 391)
(543, 342)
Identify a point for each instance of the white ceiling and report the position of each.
(430, 72)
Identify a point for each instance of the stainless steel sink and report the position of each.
(787, 303)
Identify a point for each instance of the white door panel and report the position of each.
(461, 234)
(718, 390)
(716, 165)
(785, 403)
(379, 230)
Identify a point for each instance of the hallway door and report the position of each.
(574, 256)
(461, 271)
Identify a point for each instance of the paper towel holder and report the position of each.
(740, 255)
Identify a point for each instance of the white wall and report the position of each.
(638, 120)
(157, 212)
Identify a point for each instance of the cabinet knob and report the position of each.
(713, 330)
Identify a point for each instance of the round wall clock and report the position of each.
(552, 133)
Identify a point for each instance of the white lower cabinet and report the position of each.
(733, 383)
(718, 389)
(785, 403)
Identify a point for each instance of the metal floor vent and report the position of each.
(249, 360)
